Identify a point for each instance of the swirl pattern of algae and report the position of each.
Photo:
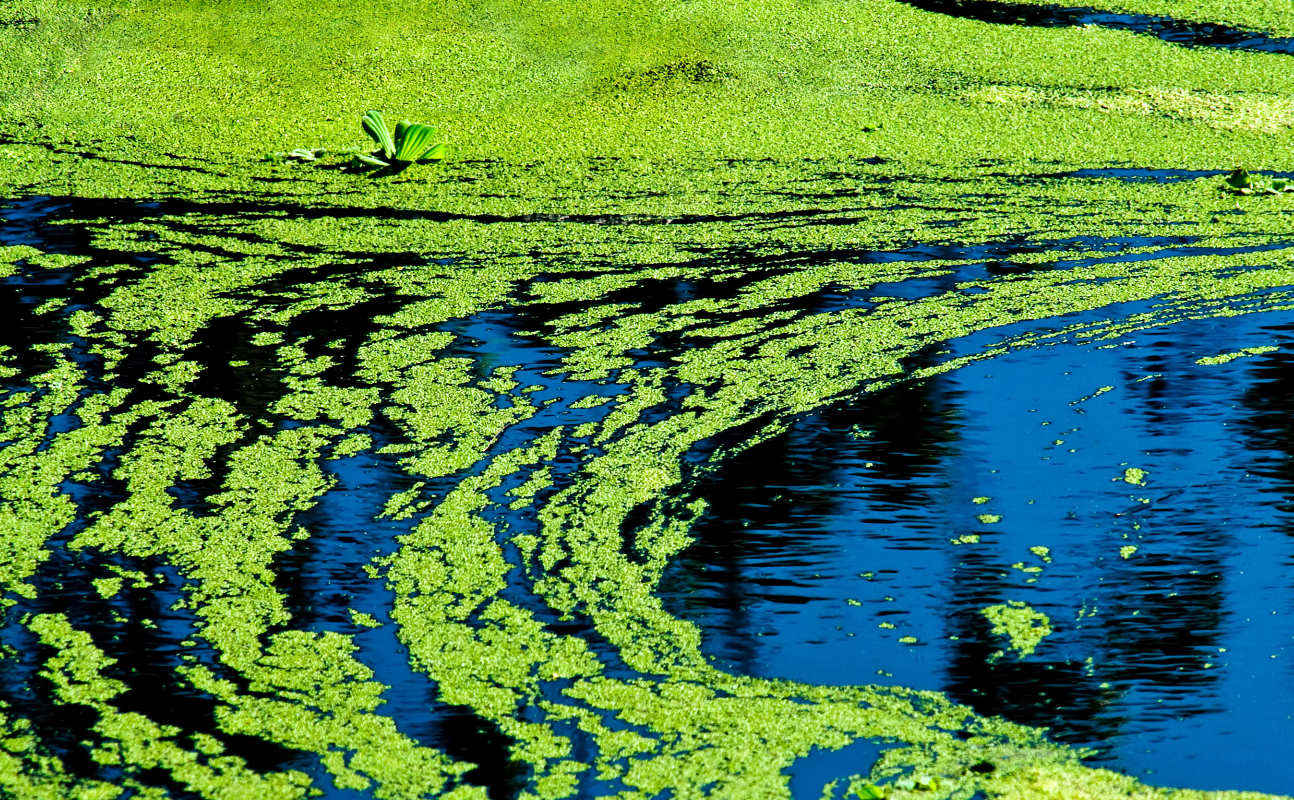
(170, 440)
(542, 352)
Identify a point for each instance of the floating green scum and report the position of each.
(650, 203)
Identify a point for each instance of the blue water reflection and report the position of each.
(862, 544)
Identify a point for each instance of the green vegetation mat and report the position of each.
(218, 332)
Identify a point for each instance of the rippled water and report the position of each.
(827, 545)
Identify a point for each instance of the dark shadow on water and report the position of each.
(1145, 175)
(92, 153)
(749, 546)
(145, 636)
(127, 208)
(1175, 31)
(465, 736)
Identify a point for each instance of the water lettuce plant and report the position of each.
(411, 142)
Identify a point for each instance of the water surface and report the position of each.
(904, 513)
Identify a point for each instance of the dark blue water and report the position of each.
(1186, 33)
(830, 544)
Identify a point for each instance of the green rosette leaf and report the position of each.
(436, 153)
(415, 143)
(375, 126)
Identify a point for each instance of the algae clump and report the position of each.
(1023, 627)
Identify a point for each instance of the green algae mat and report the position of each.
(315, 483)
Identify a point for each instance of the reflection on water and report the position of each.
(863, 544)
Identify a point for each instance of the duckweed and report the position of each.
(670, 231)
(1223, 358)
(1023, 627)
(1135, 476)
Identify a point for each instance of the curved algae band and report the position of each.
(142, 444)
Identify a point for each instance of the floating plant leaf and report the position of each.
(375, 126)
(437, 152)
(915, 782)
(299, 154)
(1241, 182)
(372, 161)
(413, 140)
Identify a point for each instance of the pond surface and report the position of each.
(759, 401)
(1115, 472)
(863, 543)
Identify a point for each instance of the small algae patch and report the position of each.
(1135, 476)
(1100, 391)
(1223, 358)
(1023, 627)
